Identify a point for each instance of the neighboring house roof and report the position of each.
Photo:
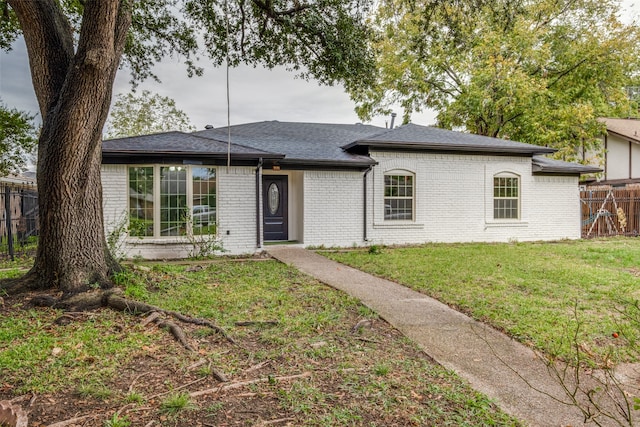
(321, 145)
(22, 181)
(626, 128)
(545, 165)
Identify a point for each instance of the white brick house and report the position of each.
(333, 185)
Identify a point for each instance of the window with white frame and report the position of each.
(398, 196)
(171, 200)
(506, 196)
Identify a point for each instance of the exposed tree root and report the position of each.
(234, 385)
(119, 303)
(113, 299)
(177, 332)
(72, 421)
(19, 285)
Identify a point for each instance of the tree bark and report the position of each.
(74, 92)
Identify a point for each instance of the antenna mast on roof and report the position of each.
(226, 18)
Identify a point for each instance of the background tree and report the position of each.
(133, 115)
(539, 72)
(75, 48)
(18, 139)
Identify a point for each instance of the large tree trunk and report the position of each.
(74, 93)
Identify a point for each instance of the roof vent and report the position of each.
(208, 127)
(393, 119)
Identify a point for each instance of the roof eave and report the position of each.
(156, 154)
(551, 170)
(634, 139)
(354, 164)
(449, 147)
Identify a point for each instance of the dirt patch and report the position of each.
(372, 376)
(635, 272)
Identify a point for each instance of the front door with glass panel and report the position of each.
(275, 209)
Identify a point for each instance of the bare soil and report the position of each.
(344, 377)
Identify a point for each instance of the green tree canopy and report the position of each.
(18, 139)
(540, 72)
(147, 113)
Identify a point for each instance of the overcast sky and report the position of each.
(256, 94)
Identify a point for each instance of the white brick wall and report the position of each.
(453, 203)
(236, 214)
(454, 200)
(333, 207)
(237, 209)
(114, 195)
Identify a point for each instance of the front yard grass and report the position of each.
(539, 293)
(115, 370)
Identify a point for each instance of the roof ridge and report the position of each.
(147, 134)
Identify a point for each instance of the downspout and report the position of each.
(258, 204)
(364, 182)
(606, 157)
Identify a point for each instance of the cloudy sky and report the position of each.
(256, 94)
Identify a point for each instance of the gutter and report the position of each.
(452, 148)
(258, 204)
(364, 185)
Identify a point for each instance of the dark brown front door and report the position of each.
(274, 207)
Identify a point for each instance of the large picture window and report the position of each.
(506, 197)
(204, 200)
(171, 200)
(141, 203)
(398, 197)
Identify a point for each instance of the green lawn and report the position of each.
(537, 292)
(106, 361)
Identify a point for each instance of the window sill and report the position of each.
(398, 225)
(169, 240)
(506, 224)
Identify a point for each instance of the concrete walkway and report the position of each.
(454, 340)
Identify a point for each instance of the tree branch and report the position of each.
(49, 39)
(567, 71)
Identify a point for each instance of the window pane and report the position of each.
(506, 198)
(173, 200)
(141, 201)
(204, 200)
(398, 201)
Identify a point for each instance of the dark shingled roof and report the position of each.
(418, 137)
(544, 165)
(324, 145)
(307, 143)
(177, 143)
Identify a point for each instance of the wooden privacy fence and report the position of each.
(19, 220)
(610, 211)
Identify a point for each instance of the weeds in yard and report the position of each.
(96, 390)
(214, 408)
(134, 397)
(176, 403)
(117, 421)
(381, 370)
